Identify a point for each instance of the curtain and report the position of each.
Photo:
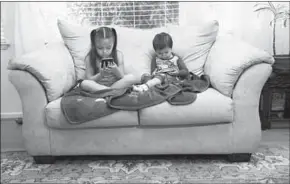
(31, 25)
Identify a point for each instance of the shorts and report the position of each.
(107, 80)
(164, 78)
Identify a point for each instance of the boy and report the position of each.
(165, 65)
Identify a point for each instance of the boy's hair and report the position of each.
(161, 41)
(101, 33)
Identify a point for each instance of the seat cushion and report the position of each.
(210, 107)
(56, 119)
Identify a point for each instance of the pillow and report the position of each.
(131, 42)
(52, 67)
(229, 58)
(77, 40)
(193, 43)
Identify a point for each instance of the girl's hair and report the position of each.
(161, 41)
(101, 33)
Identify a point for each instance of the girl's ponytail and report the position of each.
(116, 39)
(114, 50)
(92, 53)
(92, 35)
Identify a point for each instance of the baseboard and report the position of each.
(10, 115)
(11, 133)
(280, 124)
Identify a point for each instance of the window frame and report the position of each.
(84, 13)
(4, 42)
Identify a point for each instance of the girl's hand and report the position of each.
(103, 71)
(114, 69)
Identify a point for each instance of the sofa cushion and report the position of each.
(130, 42)
(52, 66)
(192, 43)
(56, 119)
(210, 107)
(228, 58)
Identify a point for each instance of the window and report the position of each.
(138, 14)
(4, 42)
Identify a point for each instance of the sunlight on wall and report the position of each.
(238, 19)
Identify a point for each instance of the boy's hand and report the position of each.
(174, 73)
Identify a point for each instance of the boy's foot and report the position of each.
(140, 88)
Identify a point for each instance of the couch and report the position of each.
(224, 119)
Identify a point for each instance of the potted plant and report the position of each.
(280, 13)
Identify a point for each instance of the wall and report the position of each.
(11, 137)
(239, 19)
(10, 101)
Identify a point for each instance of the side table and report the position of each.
(279, 81)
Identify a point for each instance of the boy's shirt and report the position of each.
(168, 65)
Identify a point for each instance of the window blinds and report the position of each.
(138, 14)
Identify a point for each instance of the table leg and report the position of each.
(267, 104)
(287, 105)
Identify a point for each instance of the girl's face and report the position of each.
(165, 53)
(104, 47)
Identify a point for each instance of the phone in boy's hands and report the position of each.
(105, 62)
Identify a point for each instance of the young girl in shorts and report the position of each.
(109, 75)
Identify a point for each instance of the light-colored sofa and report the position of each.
(223, 120)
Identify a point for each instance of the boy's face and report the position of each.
(165, 53)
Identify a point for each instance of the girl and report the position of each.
(98, 77)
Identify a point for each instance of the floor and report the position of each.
(275, 136)
(269, 164)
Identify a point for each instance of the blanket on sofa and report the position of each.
(79, 106)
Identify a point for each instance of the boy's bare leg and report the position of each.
(153, 82)
(149, 84)
(127, 81)
(91, 86)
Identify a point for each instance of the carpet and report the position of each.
(270, 164)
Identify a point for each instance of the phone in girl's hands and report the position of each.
(105, 62)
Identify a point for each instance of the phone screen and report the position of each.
(106, 61)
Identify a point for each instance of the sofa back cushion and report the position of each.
(191, 43)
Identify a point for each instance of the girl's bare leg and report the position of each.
(127, 81)
(91, 86)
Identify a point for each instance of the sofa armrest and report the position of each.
(228, 59)
(33, 98)
(53, 67)
(246, 99)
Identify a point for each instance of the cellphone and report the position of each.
(105, 62)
